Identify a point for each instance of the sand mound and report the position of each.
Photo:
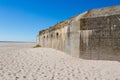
(49, 64)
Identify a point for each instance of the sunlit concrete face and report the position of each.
(94, 34)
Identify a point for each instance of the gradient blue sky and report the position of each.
(20, 20)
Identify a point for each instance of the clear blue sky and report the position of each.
(20, 20)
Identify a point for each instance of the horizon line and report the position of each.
(19, 41)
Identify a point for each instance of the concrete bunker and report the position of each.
(94, 34)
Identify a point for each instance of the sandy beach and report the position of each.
(20, 61)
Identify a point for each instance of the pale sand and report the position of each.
(22, 62)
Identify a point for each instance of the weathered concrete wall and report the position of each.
(95, 34)
(54, 37)
(73, 36)
(104, 38)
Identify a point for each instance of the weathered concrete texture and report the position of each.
(54, 37)
(104, 38)
(94, 34)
